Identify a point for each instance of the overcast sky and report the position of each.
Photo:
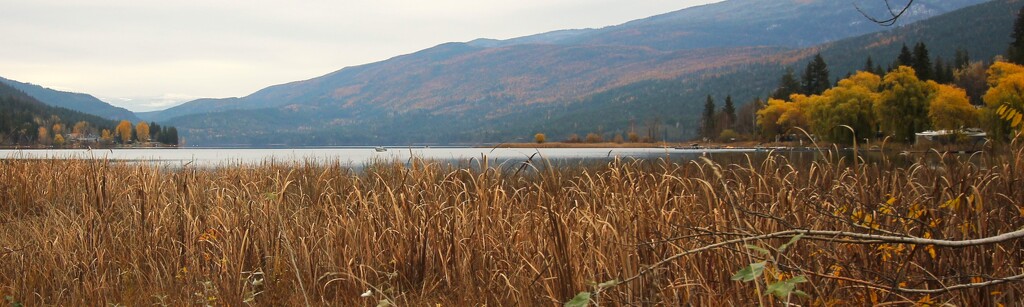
(147, 55)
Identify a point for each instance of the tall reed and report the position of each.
(82, 232)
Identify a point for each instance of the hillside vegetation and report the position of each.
(22, 117)
(470, 89)
(73, 101)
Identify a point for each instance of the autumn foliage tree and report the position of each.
(851, 103)
(142, 132)
(124, 131)
(902, 108)
(950, 108)
(1005, 98)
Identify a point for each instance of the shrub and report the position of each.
(728, 135)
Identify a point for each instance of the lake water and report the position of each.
(357, 156)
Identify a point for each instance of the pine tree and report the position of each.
(730, 112)
(154, 132)
(788, 85)
(172, 136)
(869, 66)
(943, 71)
(816, 79)
(922, 63)
(904, 59)
(1016, 53)
(708, 119)
(961, 60)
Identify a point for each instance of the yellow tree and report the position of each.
(58, 129)
(58, 140)
(902, 108)
(1001, 70)
(43, 136)
(106, 137)
(851, 103)
(124, 131)
(80, 128)
(539, 138)
(768, 117)
(1005, 99)
(799, 114)
(950, 108)
(142, 132)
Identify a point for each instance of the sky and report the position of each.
(150, 55)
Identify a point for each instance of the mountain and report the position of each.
(486, 90)
(982, 30)
(21, 115)
(737, 23)
(75, 101)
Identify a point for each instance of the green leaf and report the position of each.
(757, 249)
(750, 272)
(791, 242)
(384, 303)
(608, 284)
(581, 300)
(783, 289)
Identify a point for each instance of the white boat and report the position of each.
(380, 149)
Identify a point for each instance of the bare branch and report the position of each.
(894, 15)
(845, 237)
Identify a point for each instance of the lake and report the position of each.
(357, 156)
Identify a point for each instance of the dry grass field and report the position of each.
(423, 233)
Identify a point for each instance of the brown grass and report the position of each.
(94, 232)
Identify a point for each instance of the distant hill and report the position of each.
(75, 101)
(982, 30)
(21, 113)
(488, 90)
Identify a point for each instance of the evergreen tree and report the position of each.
(961, 60)
(869, 66)
(708, 119)
(172, 136)
(922, 63)
(788, 85)
(904, 59)
(730, 112)
(1016, 52)
(154, 132)
(816, 79)
(943, 71)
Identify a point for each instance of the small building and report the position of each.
(970, 136)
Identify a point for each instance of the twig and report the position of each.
(893, 14)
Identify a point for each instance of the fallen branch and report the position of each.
(857, 238)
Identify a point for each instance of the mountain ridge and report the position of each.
(80, 102)
(456, 80)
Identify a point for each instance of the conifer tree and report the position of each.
(708, 118)
(816, 79)
(1016, 53)
(922, 62)
(730, 112)
(788, 85)
(961, 60)
(869, 66)
(904, 59)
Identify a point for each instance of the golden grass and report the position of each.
(78, 232)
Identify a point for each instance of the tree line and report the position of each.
(143, 132)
